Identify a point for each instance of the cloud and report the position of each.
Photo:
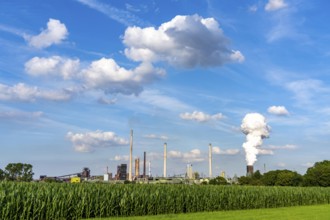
(185, 41)
(124, 17)
(274, 5)
(55, 65)
(55, 33)
(200, 116)
(154, 136)
(12, 30)
(253, 8)
(90, 141)
(305, 90)
(194, 155)
(308, 164)
(281, 164)
(121, 158)
(284, 147)
(263, 151)
(278, 110)
(20, 115)
(217, 150)
(25, 93)
(106, 101)
(105, 74)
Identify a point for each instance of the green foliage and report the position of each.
(2, 175)
(318, 175)
(76, 201)
(19, 172)
(281, 178)
(219, 180)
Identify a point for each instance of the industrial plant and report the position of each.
(124, 172)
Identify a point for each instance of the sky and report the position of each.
(77, 75)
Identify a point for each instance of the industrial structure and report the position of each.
(137, 167)
(210, 160)
(165, 158)
(130, 178)
(249, 170)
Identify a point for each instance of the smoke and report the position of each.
(255, 128)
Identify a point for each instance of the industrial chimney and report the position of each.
(144, 164)
(210, 160)
(165, 158)
(137, 167)
(130, 158)
(249, 170)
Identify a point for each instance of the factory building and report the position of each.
(121, 172)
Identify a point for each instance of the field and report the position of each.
(316, 212)
(76, 201)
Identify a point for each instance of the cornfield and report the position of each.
(76, 201)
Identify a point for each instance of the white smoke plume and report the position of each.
(255, 128)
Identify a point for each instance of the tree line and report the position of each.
(21, 172)
(318, 175)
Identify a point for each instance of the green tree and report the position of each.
(318, 175)
(219, 180)
(2, 175)
(281, 178)
(19, 172)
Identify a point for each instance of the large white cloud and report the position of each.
(55, 33)
(55, 65)
(274, 5)
(89, 141)
(22, 92)
(278, 110)
(107, 75)
(200, 116)
(185, 41)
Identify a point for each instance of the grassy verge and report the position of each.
(316, 212)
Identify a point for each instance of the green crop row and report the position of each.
(75, 201)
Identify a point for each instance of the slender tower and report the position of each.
(144, 164)
(210, 160)
(165, 158)
(130, 158)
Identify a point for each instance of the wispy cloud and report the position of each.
(12, 30)
(124, 17)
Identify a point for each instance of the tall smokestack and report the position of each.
(165, 158)
(149, 168)
(249, 170)
(144, 164)
(210, 160)
(137, 167)
(130, 157)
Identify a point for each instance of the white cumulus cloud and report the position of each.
(25, 93)
(194, 155)
(90, 141)
(200, 116)
(107, 75)
(55, 65)
(274, 5)
(55, 33)
(278, 110)
(185, 41)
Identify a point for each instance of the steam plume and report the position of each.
(255, 127)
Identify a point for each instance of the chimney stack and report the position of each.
(210, 160)
(130, 158)
(249, 170)
(144, 164)
(165, 158)
(137, 167)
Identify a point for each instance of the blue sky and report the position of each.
(77, 75)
